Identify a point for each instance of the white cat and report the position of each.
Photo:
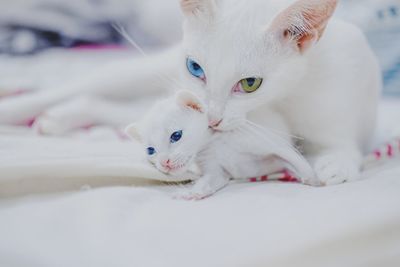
(291, 70)
(278, 63)
(175, 133)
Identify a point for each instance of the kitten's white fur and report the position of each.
(248, 151)
(321, 81)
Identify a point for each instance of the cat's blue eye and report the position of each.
(195, 69)
(151, 151)
(176, 136)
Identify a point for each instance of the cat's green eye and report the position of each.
(250, 85)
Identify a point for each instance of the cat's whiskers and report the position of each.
(178, 158)
(276, 131)
(121, 30)
(266, 135)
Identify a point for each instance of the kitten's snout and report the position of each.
(171, 167)
(167, 164)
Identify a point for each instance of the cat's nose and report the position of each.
(214, 123)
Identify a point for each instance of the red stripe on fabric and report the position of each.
(288, 177)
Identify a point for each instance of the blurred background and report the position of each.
(43, 41)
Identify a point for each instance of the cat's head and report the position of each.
(173, 132)
(237, 58)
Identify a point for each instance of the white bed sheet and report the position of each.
(264, 224)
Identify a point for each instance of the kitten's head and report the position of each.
(236, 58)
(173, 132)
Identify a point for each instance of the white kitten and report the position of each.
(175, 133)
(278, 63)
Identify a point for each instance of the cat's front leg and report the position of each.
(205, 187)
(337, 166)
(21, 110)
(87, 111)
(122, 80)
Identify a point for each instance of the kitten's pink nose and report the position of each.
(166, 164)
(214, 123)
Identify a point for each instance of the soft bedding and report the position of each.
(140, 224)
(132, 221)
(264, 224)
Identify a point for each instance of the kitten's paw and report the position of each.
(200, 190)
(192, 195)
(335, 169)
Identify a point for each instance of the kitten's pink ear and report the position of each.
(186, 99)
(303, 23)
(196, 7)
(132, 132)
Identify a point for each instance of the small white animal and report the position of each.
(175, 134)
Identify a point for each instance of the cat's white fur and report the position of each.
(321, 80)
(248, 151)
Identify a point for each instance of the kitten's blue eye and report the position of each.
(176, 136)
(195, 69)
(151, 151)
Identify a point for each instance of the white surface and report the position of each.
(244, 225)
(263, 224)
(32, 164)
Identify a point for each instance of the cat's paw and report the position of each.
(333, 169)
(19, 110)
(48, 124)
(64, 118)
(312, 181)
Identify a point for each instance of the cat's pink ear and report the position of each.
(133, 132)
(196, 7)
(303, 23)
(188, 100)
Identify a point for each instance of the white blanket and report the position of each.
(30, 164)
(262, 224)
(265, 224)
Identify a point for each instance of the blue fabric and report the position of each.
(380, 20)
(385, 39)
